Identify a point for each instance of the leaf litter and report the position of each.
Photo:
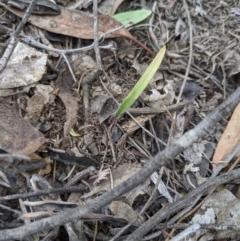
(42, 109)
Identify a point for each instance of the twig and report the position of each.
(13, 158)
(187, 232)
(190, 50)
(150, 111)
(43, 192)
(188, 66)
(69, 67)
(96, 39)
(152, 35)
(161, 159)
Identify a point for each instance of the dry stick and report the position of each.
(151, 25)
(66, 189)
(184, 235)
(160, 109)
(13, 158)
(190, 50)
(96, 39)
(13, 40)
(203, 226)
(161, 159)
(69, 67)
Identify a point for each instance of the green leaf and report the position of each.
(142, 83)
(132, 17)
(73, 133)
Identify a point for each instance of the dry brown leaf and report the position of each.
(229, 139)
(17, 135)
(78, 24)
(74, 23)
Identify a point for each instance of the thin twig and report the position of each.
(152, 35)
(96, 39)
(69, 67)
(190, 50)
(188, 66)
(43, 192)
(160, 109)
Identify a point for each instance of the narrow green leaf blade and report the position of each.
(142, 83)
(132, 17)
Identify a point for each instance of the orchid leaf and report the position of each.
(132, 17)
(142, 83)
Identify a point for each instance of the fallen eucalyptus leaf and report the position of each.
(17, 135)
